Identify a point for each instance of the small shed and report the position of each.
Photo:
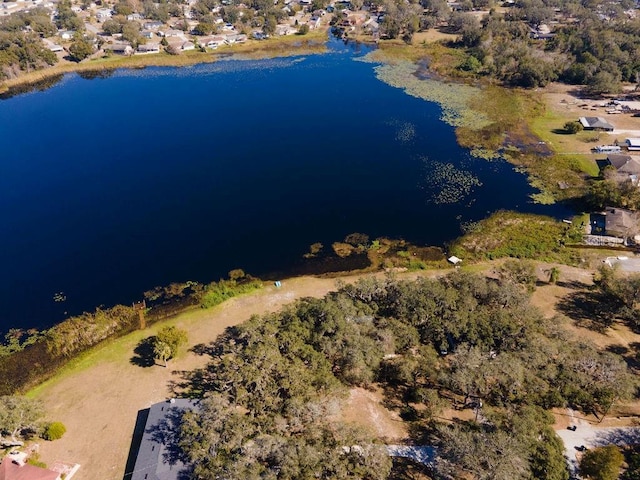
(454, 260)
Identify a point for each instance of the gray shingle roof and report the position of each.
(595, 122)
(158, 457)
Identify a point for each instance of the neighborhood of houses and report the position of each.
(177, 34)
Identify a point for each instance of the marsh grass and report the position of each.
(511, 234)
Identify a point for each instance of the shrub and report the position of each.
(54, 431)
(34, 459)
(573, 127)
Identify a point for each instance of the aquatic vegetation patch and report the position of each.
(454, 99)
(405, 131)
(447, 183)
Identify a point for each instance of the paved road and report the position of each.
(589, 436)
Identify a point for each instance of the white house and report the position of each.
(104, 14)
(212, 42)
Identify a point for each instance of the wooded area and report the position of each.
(274, 387)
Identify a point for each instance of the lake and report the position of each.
(111, 186)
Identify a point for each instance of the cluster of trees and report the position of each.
(21, 50)
(620, 297)
(493, 450)
(585, 50)
(21, 418)
(464, 337)
(602, 463)
(610, 191)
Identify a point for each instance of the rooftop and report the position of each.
(14, 470)
(157, 457)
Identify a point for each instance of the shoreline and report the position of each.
(292, 45)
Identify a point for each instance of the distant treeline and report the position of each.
(29, 357)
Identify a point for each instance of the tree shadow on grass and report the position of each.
(588, 309)
(143, 353)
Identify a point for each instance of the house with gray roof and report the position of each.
(595, 123)
(627, 166)
(159, 457)
(621, 223)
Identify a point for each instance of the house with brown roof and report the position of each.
(17, 469)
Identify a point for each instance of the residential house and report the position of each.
(17, 469)
(371, 26)
(174, 34)
(157, 458)
(595, 123)
(211, 41)
(67, 35)
(633, 144)
(283, 29)
(134, 17)
(314, 23)
(7, 8)
(54, 47)
(104, 14)
(230, 39)
(627, 166)
(155, 25)
(120, 48)
(148, 34)
(152, 47)
(187, 46)
(620, 223)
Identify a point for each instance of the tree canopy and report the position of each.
(19, 417)
(275, 383)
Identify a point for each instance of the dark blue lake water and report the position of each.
(110, 187)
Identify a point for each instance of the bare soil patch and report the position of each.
(364, 407)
